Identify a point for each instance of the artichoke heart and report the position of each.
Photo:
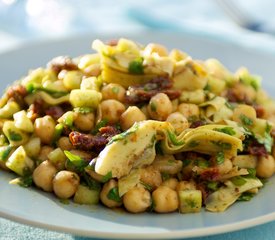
(221, 199)
(136, 147)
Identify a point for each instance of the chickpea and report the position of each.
(44, 128)
(130, 116)
(225, 167)
(178, 121)
(189, 110)
(43, 175)
(64, 143)
(113, 91)
(171, 183)
(151, 176)
(244, 110)
(160, 107)
(185, 185)
(84, 122)
(165, 199)
(137, 200)
(65, 184)
(44, 152)
(104, 194)
(111, 110)
(265, 166)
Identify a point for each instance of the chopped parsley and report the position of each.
(107, 177)
(193, 144)
(99, 125)
(212, 185)
(202, 163)
(251, 173)
(83, 110)
(14, 136)
(222, 145)
(220, 158)
(227, 130)
(113, 195)
(153, 107)
(136, 66)
(165, 176)
(173, 139)
(246, 121)
(246, 196)
(147, 186)
(238, 181)
(4, 152)
(186, 162)
(123, 135)
(76, 161)
(25, 181)
(115, 90)
(90, 182)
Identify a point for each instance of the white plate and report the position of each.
(40, 209)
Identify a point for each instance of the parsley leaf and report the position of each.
(136, 66)
(113, 195)
(78, 162)
(246, 196)
(227, 130)
(246, 120)
(107, 177)
(4, 152)
(14, 136)
(99, 125)
(220, 158)
(173, 139)
(83, 110)
(238, 181)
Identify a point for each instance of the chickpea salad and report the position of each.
(140, 128)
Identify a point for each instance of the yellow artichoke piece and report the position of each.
(111, 75)
(47, 98)
(136, 147)
(221, 199)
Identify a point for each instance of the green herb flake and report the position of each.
(152, 206)
(246, 120)
(246, 196)
(25, 181)
(193, 144)
(228, 105)
(76, 160)
(136, 66)
(123, 135)
(14, 136)
(83, 110)
(251, 173)
(113, 195)
(173, 139)
(165, 176)
(153, 107)
(99, 125)
(90, 182)
(212, 186)
(186, 162)
(220, 158)
(202, 163)
(238, 181)
(107, 177)
(4, 152)
(222, 145)
(64, 201)
(227, 130)
(147, 186)
(115, 90)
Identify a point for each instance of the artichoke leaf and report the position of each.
(221, 199)
(135, 147)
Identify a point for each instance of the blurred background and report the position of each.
(229, 20)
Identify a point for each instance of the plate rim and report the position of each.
(191, 233)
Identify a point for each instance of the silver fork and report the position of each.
(242, 18)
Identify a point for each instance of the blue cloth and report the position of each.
(21, 21)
